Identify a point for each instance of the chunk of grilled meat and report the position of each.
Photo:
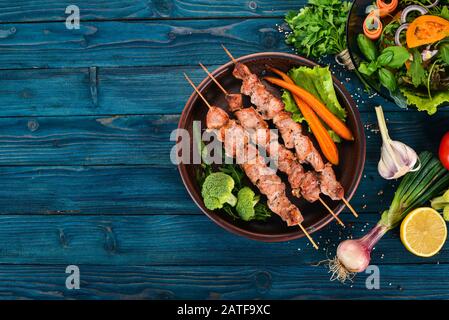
(329, 184)
(287, 162)
(271, 107)
(293, 137)
(262, 176)
(235, 101)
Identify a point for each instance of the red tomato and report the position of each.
(444, 151)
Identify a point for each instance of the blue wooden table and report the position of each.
(86, 178)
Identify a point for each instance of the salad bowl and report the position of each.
(433, 91)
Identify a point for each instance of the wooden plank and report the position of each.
(128, 190)
(145, 140)
(142, 190)
(130, 140)
(50, 44)
(175, 240)
(142, 179)
(93, 190)
(51, 10)
(118, 91)
(67, 92)
(252, 282)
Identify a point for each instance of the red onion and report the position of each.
(354, 256)
(397, 36)
(433, 4)
(411, 8)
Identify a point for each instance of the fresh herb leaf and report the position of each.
(385, 58)
(399, 55)
(387, 79)
(367, 47)
(443, 53)
(443, 12)
(319, 28)
(417, 72)
(368, 68)
(262, 212)
(235, 172)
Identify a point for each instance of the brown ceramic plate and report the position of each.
(352, 154)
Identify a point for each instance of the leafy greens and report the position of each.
(319, 28)
(318, 81)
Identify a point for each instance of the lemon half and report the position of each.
(423, 232)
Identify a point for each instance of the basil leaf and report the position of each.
(385, 58)
(368, 68)
(367, 47)
(400, 56)
(444, 13)
(387, 79)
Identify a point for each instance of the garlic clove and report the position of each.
(408, 156)
(397, 159)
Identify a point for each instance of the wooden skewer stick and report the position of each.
(346, 202)
(229, 54)
(308, 236)
(350, 207)
(197, 91)
(207, 103)
(226, 93)
(214, 80)
(332, 212)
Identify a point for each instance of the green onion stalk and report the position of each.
(415, 189)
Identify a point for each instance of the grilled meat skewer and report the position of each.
(271, 107)
(236, 144)
(257, 171)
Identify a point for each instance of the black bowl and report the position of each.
(354, 25)
(349, 171)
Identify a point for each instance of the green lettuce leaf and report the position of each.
(291, 107)
(424, 103)
(318, 81)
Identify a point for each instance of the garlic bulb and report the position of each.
(397, 158)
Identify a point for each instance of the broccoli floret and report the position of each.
(246, 201)
(440, 202)
(217, 190)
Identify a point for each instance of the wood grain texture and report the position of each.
(119, 91)
(216, 282)
(175, 240)
(93, 190)
(51, 10)
(166, 42)
(85, 176)
(117, 140)
(145, 140)
(123, 190)
(121, 165)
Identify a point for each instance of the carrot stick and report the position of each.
(322, 111)
(390, 7)
(376, 33)
(325, 141)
